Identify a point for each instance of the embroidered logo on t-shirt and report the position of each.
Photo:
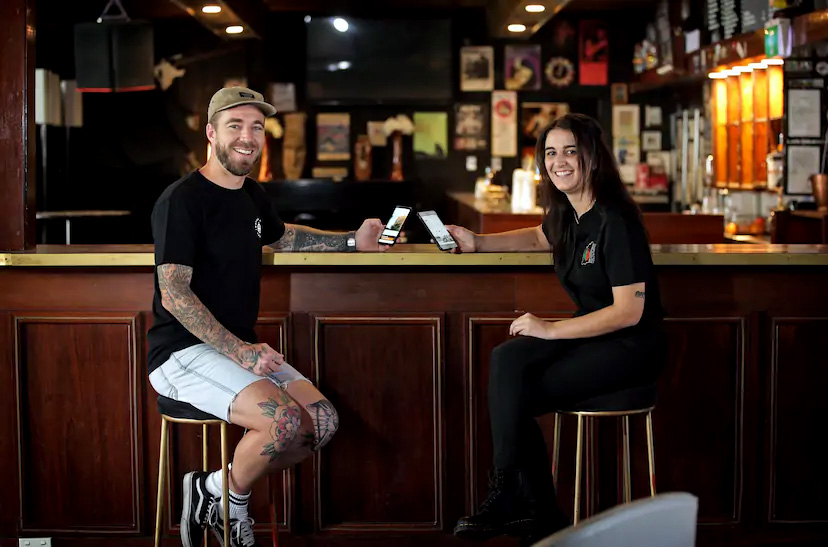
(589, 254)
(257, 225)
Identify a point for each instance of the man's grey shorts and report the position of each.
(210, 381)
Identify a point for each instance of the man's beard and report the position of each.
(240, 167)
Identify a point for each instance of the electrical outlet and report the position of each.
(35, 542)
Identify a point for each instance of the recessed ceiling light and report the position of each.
(535, 8)
(717, 75)
(234, 29)
(768, 62)
(211, 8)
(516, 27)
(340, 24)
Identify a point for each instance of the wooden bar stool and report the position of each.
(621, 404)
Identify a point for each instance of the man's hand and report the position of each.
(466, 239)
(529, 325)
(367, 237)
(260, 359)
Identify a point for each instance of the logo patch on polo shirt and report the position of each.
(589, 254)
(257, 225)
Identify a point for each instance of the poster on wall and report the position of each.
(282, 96)
(376, 134)
(625, 120)
(522, 69)
(430, 135)
(535, 116)
(477, 68)
(471, 126)
(627, 151)
(504, 124)
(594, 53)
(333, 137)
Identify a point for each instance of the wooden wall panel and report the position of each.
(798, 476)
(9, 492)
(384, 469)
(698, 421)
(348, 292)
(79, 423)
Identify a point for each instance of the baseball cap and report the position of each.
(230, 97)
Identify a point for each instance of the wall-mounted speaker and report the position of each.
(113, 56)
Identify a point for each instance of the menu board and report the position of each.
(729, 18)
(754, 14)
(711, 20)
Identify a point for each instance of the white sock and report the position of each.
(238, 502)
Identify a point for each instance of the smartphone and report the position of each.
(395, 223)
(438, 231)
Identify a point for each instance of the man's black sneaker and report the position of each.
(241, 530)
(197, 500)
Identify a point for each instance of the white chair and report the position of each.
(666, 520)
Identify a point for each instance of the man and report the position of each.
(209, 228)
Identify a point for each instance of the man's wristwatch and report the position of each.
(351, 242)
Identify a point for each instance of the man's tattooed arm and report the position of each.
(302, 238)
(178, 298)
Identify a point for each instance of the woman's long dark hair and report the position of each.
(597, 166)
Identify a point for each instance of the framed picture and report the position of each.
(477, 68)
(618, 92)
(652, 116)
(627, 152)
(536, 116)
(471, 126)
(625, 120)
(651, 140)
(430, 135)
(523, 67)
(333, 137)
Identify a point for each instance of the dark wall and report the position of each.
(132, 145)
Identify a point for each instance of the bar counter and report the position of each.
(428, 255)
(400, 343)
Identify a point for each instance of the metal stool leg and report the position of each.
(225, 484)
(625, 456)
(651, 453)
(556, 449)
(204, 444)
(578, 456)
(162, 467)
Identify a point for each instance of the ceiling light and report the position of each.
(308, 18)
(717, 75)
(234, 29)
(340, 24)
(740, 69)
(756, 65)
(768, 62)
(535, 8)
(516, 27)
(211, 8)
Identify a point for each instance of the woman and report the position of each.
(615, 341)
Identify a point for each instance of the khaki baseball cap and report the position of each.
(230, 97)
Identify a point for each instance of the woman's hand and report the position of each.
(466, 239)
(529, 325)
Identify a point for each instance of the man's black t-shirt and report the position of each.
(604, 249)
(219, 232)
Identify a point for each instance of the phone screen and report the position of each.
(438, 230)
(394, 226)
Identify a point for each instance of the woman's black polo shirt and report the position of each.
(605, 250)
